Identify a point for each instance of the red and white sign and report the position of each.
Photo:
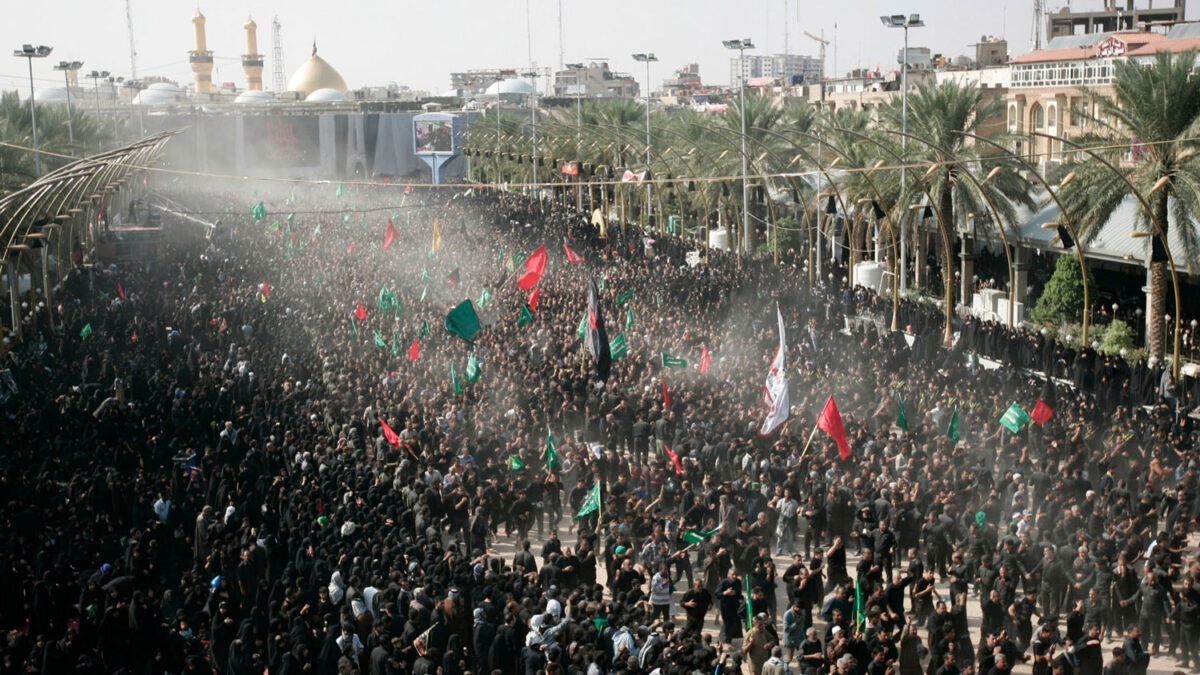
(1110, 47)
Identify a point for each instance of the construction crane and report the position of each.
(132, 47)
(822, 42)
(277, 81)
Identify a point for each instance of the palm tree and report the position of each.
(1154, 112)
(941, 119)
(17, 168)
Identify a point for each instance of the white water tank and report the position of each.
(869, 274)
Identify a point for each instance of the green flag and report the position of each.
(618, 347)
(338, 194)
(669, 361)
(472, 368)
(396, 351)
(291, 198)
(859, 619)
(1014, 418)
(624, 297)
(274, 227)
(515, 463)
(582, 330)
(484, 296)
(379, 341)
(591, 502)
(291, 217)
(353, 330)
(697, 536)
(463, 321)
(424, 292)
(749, 606)
(901, 417)
(952, 428)
(628, 318)
(258, 211)
(425, 278)
(424, 329)
(550, 454)
(454, 380)
(525, 317)
(387, 300)
(87, 330)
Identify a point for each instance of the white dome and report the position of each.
(151, 96)
(51, 95)
(513, 85)
(254, 96)
(165, 86)
(326, 96)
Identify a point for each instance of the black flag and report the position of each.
(1064, 235)
(597, 336)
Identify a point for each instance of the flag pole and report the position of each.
(810, 439)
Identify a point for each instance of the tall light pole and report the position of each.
(68, 67)
(901, 21)
(96, 76)
(29, 52)
(741, 46)
(647, 59)
(532, 75)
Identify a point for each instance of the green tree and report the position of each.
(17, 168)
(1152, 119)
(1062, 300)
(942, 117)
(1117, 336)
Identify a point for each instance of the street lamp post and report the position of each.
(741, 46)
(647, 59)
(900, 21)
(96, 76)
(29, 52)
(68, 67)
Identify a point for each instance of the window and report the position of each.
(1039, 117)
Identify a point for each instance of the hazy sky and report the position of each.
(373, 42)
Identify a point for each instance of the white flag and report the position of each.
(777, 371)
(777, 412)
(631, 177)
(775, 391)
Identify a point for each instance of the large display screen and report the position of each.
(435, 136)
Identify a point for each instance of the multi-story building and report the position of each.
(1116, 15)
(594, 80)
(477, 81)
(1053, 90)
(788, 69)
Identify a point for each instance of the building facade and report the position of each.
(789, 69)
(594, 80)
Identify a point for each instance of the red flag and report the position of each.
(535, 265)
(350, 249)
(705, 360)
(266, 290)
(389, 434)
(666, 396)
(674, 459)
(120, 290)
(533, 300)
(570, 168)
(572, 256)
(1041, 412)
(414, 351)
(830, 422)
(389, 235)
(360, 312)
(223, 326)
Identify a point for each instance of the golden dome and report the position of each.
(316, 74)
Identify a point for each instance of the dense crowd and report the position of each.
(198, 478)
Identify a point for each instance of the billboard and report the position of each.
(434, 136)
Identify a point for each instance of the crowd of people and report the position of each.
(262, 452)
